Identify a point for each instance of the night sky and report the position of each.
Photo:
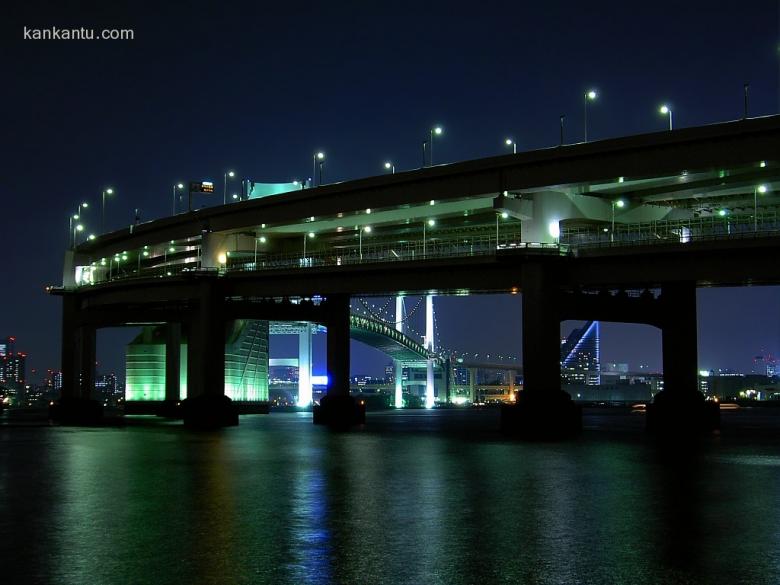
(257, 87)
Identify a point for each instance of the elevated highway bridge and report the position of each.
(666, 212)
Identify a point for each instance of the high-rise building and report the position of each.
(7, 345)
(12, 367)
(581, 356)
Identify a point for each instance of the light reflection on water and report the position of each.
(412, 498)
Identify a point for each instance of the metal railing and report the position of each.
(713, 227)
(680, 231)
(456, 247)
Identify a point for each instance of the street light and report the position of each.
(664, 109)
(366, 229)
(72, 230)
(176, 186)
(562, 118)
(431, 223)
(390, 167)
(512, 143)
(437, 131)
(318, 157)
(306, 237)
(756, 190)
(230, 174)
(621, 204)
(108, 191)
(589, 97)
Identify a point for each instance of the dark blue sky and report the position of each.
(256, 87)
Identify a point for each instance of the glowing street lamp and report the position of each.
(366, 229)
(589, 97)
(428, 143)
(512, 143)
(230, 174)
(176, 186)
(319, 157)
(620, 204)
(390, 167)
(310, 235)
(108, 191)
(428, 223)
(756, 190)
(666, 110)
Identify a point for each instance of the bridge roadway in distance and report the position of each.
(543, 223)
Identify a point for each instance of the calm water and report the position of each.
(415, 497)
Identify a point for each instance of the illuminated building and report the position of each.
(246, 363)
(7, 345)
(581, 356)
(12, 367)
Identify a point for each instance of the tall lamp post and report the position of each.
(390, 167)
(621, 204)
(589, 97)
(72, 230)
(305, 237)
(230, 174)
(562, 118)
(431, 223)
(756, 190)
(435, 131)
(178, 186)
(366, 229)
(666, 110)
(512, 143)
(319, 157)
(108, 191)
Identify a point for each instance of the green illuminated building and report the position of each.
(246, 364)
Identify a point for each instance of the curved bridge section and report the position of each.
(387, 339)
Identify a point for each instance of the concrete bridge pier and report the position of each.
(680, 407)
(171, 404)
(76, 405)
(338, 409)
(542, 410)
(206, 406)
(304, 366)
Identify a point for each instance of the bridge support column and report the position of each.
(399, 384)
(430, 390)
(473, 385)
(680, 407)
(338, 409)
(206, 406)
(76, 405)
(542, 409)
(170, 406)
(304, 367)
